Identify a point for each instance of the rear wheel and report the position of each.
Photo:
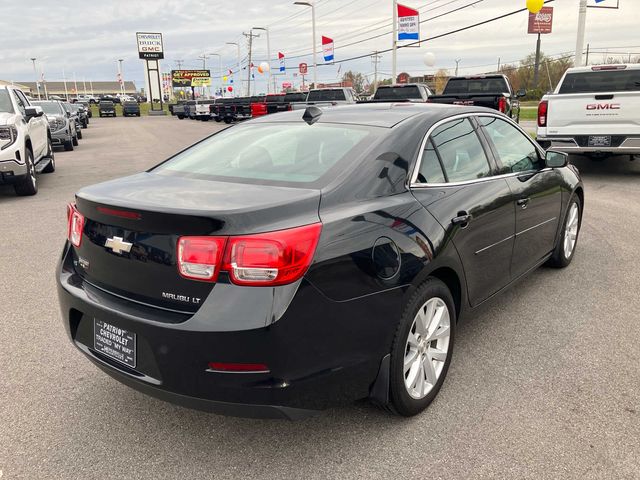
(29, 185)
(79, 135)
(422, 348)
(566, 247)
(227, 120)
(68, 145)
(74, 140)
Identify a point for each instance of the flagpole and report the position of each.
(64, 78)
(394, 45)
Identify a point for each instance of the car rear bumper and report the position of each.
(620, 145)
(320, 353)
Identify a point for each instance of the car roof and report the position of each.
(376, 114)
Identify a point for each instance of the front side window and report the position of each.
(5, 102)
(515, 151)
(461, 152)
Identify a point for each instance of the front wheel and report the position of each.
(29, 185)
(422, 348)
(52, 162)
(566, 247)
(74, 140)
(79, 135)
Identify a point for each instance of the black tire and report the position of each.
(101, 115)
(79, 135)
(85, 123)
(227, 120)
(180, 117)
(68, 145)
(138, 114)
(52, 164)
(218, 119)
(402, 403)
(74, 140)
(29, 185)
(559, 259)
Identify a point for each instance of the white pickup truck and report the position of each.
(594, 111)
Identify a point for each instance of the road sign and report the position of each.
(541, 22)
(303, 68)
(150, 46)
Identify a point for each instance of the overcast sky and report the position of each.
(87, 37)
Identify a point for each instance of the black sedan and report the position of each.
(309, 259)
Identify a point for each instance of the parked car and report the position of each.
(130, 108)
(75, 118)
(106, 108)
(281, 267)
(189, 109)
(402, 92)
(177, 109)
(126, 98)
(25, 142)
(87, 108)
(272, 103)
(80, 111)
(84, 98)
(201, 109)
(491, 91)
(61, 124)
(326, 97)
(593, 111)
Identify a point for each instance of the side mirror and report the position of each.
(521, 93)
(556, 159)
(68, 114)
(33, 112)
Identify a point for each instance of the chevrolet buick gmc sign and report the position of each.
(150, 45)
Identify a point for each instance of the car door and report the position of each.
(536, 191)
(38, 129)
(455, 181)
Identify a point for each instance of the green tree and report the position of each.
(356, 78)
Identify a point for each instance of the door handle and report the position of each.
(462, 219)
(523, 202)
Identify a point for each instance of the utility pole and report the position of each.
(179, 64)
(313, 28)
(35, 73)
(250, 36)
(582, 22)
(375, 59)
(203, 57)
(458, 60)
(394, 44)
(536, 68)
(587, 59)
(498, 65)
(266, 29)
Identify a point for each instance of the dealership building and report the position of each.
(90, 88)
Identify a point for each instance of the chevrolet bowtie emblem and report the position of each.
(117, 245)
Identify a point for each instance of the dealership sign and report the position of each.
(190, 78)
(541, 22)
(150, 46)
(303, 68)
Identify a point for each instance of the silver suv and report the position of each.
(61, 123)
(25, 142)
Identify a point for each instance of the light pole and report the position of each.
(35, 73)
(219, 70)
(266, 29)
(313, 25)
(121, 79)
(237, 77)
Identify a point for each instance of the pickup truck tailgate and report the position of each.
(594, 114)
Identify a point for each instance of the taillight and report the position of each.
(199, 258)
(274, 258)
(502, 105)
(543, 111)
(264, 259)
(75, 225)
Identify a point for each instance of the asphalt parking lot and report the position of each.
(545, 380)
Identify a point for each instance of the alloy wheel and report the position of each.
(427, 348)
(571, 230)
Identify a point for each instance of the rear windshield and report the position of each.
(326, 95)
(478, 86)
(295, 97)
(106, 104)
(599, 82)
(271, 153)
(275, 99)
(50, 108)
(397, 93)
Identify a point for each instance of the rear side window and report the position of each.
(271, 153)
(430, 167)
(460, 150)
(601, 82)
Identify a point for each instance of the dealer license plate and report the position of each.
(114, 342)
(599, 140)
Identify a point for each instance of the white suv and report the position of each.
(25, 142)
